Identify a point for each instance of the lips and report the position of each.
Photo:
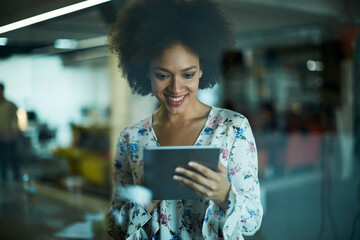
(175, 100)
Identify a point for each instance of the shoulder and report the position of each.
(138, 128)
(13, 106)
(233, 124)
(9, 105)
(230, 117)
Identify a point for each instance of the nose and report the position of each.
(176, 84)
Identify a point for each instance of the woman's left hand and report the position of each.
(210, 185)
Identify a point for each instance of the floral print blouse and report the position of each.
(190, 219)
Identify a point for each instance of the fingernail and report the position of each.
(175, 177)
(177, 169)
(191, 164)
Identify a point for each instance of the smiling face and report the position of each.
(175, 78)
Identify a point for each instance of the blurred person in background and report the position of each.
(267, 139)
(172, 48)
(8, 137)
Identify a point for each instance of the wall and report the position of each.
(57, 93)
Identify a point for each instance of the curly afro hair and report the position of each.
(144, 28)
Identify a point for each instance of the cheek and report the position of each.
(153, 87)
(156, 87)
(193, 86)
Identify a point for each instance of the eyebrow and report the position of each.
(183, 70)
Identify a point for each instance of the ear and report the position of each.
(200, 73)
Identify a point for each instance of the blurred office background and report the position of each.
(294, 73)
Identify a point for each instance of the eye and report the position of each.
(161, 76)
(188, 75)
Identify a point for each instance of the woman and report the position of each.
(171, 48)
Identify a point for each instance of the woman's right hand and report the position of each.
(152, 205)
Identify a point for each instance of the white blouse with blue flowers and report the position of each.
(190, 219)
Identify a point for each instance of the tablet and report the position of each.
(160, 164)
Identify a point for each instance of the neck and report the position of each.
(197, 110)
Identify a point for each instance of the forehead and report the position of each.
(175, 56)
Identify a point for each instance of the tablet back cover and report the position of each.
(160, 164)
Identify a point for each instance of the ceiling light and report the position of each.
(65, 44)
(315, 65)
(3, 41)
(49, 15)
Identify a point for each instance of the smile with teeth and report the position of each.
(177, 99)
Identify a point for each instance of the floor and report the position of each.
(50, 214)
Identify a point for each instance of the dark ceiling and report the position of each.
(84, 24)
(262, 21)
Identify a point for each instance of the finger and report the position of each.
(196, 187)
(207, 172)
(221, 167)
(196, 177)
(177, 178)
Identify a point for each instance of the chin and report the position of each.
(175, 110)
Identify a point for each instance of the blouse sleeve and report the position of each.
(244, 212)
(126, 218)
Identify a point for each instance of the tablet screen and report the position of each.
(160, 164)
